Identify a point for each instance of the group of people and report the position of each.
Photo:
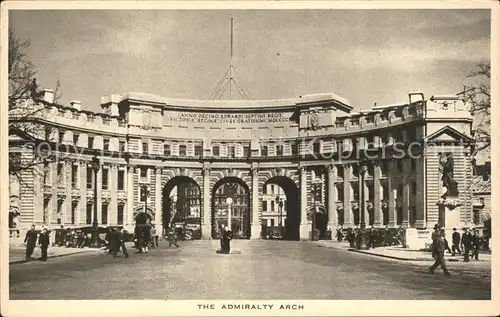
(31, 239)
(376, 237)
(469, 244)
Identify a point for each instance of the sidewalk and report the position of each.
(17, 254)
(399, 253)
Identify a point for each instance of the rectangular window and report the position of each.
(104, 214)
(106, 145)
(119, 216)
(74, 208)
(46, 203)
(198, 150)
(61, 137)
(166, 149)
(246, 151)
(476, 216)
(216, 151)
(145, 149)
(263, 151)
(74, 176)
(182, 150)
(59, 211)
(143, 194)
(340, 171)
(264, 205)
(295, 149)
(279, 150)
(59, 169)
(90, 182)
(272, 222)
(144, 172)
(105, 175)
(355, 194)
(369, 142)
(75, 138)
(88, 218)
(272, 205)
(272, 189)
(121, 145)
(264, 190)
(230, 151)
(121, 180)
(91, 142)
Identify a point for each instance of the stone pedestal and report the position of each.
(449, 216)
(417, 239)
(255, 233)
(305, 232)
(206, 232)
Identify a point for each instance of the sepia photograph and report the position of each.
(238, 157)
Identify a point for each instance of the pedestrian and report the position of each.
(154, 237)
(30, 241)
(121, 238)
(172, 238)
(226, 240)
(371, 243)
(44, 241)
(466, 244)
(439, 246)
(455, 240)
(476, 244)
(447, 245)
(434, 236)
(340, 236)
(112, 244)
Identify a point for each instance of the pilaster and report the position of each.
(82, 206)
(304, 227)
(206, 231)
(113, 188)
(348, 221)
(332, 197)
(158, 199)
(392, 195)
(406, 193)
(255, 227)
(420, 221)
(377, 197)
(130, 195)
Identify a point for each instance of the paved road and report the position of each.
(263, 270)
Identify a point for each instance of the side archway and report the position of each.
(289, 215)
(231, 207)
(181, 204)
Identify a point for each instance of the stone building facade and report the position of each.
(380, 164)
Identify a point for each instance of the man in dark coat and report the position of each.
(455, 237)
(466, 244)
(439, 246)
(118, 241)
(30, 241)
(476, 244)
(44, 242)
(226, 240)
(434, 236)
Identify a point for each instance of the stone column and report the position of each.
(304, 224)
(158, 199)
(377, 197)
(206, 230)
(99, 195)
(82, 210)
(130, 196)
(420, 221)
(52, 219)
(348, 221)
(392, 195)
(113, 188)
(67, 207)
(406, 194)
(255, 229)
(332, 197)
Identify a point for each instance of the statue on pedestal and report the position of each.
(446, 166)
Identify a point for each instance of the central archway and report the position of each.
(182, 205)
(231, 207)
(289, 212)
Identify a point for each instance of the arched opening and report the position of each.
(231, 207)
(286, 211)
(182, 205)
(320, 220)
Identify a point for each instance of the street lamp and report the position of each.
(96, 165)
(362, 240)
(279, 202)
(316, 188)
(229, 202)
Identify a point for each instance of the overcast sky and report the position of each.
(366, 56)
